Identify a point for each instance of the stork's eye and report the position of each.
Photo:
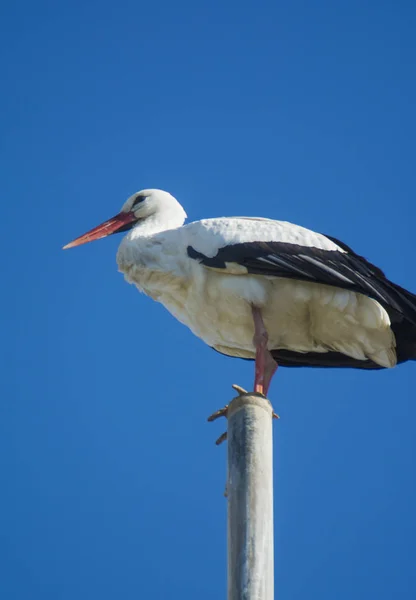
(139, 198)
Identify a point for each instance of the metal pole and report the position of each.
(250, 499)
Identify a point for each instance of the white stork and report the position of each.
(261, 289)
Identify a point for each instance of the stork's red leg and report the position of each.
(265, 364)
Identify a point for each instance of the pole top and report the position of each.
(249, 399)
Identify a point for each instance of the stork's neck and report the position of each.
(170, 218)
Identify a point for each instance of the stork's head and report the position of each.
(143, 207)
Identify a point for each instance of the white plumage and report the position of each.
(316, 297)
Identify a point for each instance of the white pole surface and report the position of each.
(250, 499)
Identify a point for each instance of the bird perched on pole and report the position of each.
(260, 289)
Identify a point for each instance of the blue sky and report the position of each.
(111, 483)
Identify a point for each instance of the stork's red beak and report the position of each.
(121, 222)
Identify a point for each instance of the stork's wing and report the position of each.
(340, 268)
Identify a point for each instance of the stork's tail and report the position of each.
(405, 334)
(404, 325)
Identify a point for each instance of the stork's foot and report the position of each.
(270, 368)
(223, 412)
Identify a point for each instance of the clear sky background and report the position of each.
(111, 485)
